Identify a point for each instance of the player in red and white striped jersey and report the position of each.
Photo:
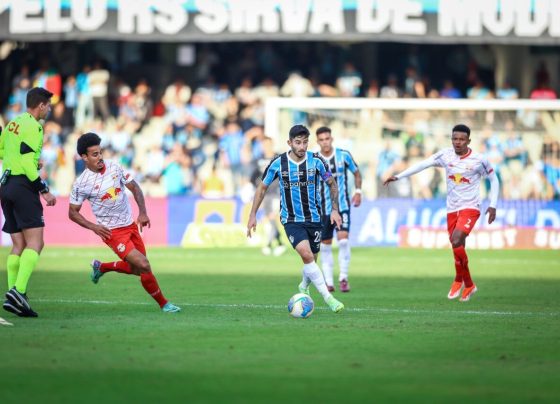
(463, 170)
(103, 185)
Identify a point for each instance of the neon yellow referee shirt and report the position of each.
(21, 143)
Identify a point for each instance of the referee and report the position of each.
(20, 186)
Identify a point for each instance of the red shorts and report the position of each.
(462, 220)
(125, 239)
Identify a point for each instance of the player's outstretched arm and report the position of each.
(143, 219)
(414, 169)
(257, 200)
(75, 215)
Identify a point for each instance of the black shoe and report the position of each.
(19, 301)
(9, 306)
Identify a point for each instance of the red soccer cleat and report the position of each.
(468, 292)
(330, 288)
(344, 286)
(455, 290)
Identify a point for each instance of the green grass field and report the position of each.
(400, 339)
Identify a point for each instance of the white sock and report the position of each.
(343, 258)
(305, 282)
(327, 263)
(313, 272)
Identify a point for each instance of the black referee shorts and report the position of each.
(21, 205)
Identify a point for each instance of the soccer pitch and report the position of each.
(399, 340)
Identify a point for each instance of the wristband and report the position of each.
(358, 191)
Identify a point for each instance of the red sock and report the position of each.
(458, 268)
(151, 286)
(117, 266)
(461, 256)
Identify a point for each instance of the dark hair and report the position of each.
(86, 141)
(462, 128)
(36, 96)
(323, 129)
(298, 130)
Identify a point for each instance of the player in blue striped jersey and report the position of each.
(299, 173)
(340, 162)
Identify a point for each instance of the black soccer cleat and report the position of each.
(10, 307)
(19, 301)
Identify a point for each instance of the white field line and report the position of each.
(350, 309)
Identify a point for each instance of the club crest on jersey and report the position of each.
(111, 194)
(459, 179)
(121, 247)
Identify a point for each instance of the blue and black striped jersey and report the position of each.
(300, 200)
(339, 163)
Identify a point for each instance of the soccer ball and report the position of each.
(301, 306)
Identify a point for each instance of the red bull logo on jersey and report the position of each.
(459, 179)
(112, 194)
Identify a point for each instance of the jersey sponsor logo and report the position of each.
(111, 194)
(459, 179)
(285, 174)
(297, 184)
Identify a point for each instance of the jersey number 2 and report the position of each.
(317, 237)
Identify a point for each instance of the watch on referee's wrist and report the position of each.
(45, 190)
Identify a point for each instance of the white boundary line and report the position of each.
(350, 309)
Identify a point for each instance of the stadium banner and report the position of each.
(432, 21)
(60, 230)
(198, 222)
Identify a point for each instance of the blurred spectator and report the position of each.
(213, 186)
(297, 86)
(479, 91)
(449, 90)
(71, 98)
(84, 109)
(373, 89)
(413, 86)
(178, 177)
(245, 93)
(543, 92)
(176, 93)
(349, 81)
(98, 79)
(386, 163)
(231, 145)
(507, 92)
(391, 89)
(514, 149)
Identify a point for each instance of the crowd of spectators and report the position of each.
(206, 140)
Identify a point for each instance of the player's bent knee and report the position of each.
(145, 267)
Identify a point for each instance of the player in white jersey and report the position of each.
(103, 185)
(463, 169)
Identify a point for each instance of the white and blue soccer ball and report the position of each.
(301, 305)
